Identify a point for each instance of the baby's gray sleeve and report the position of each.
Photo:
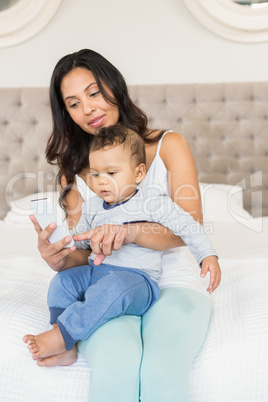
(166, 212)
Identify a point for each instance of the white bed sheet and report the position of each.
(232, 365)
(24, 280)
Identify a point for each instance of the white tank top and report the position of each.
(179, 268)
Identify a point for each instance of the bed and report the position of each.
(226, 126)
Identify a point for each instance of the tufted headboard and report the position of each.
(226, 126)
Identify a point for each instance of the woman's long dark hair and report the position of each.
(68, 145)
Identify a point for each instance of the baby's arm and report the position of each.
(165, 211)
(169, 214)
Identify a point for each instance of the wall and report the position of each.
(150, 41)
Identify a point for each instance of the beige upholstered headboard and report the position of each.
(226, 126)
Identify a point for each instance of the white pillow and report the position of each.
(20, 210)
(223, 203)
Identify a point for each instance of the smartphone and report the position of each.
(45, 214)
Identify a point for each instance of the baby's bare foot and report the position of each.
(47, 344)
(63, 359)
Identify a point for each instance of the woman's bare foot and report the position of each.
(63, 359)
(47, 344)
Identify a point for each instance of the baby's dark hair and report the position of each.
(117, 135)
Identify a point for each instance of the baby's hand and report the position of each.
(211, 264)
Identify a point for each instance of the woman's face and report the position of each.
(85, 103)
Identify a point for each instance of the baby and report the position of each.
(83, 298)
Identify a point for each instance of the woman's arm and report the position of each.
(106, 238)
(182, 175)
(73, 204)
(184, 190)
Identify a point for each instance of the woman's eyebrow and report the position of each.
(73, 96)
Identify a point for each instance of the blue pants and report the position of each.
(82, 299)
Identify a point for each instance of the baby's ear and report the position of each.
(140, 172)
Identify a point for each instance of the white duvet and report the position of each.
(232, 365)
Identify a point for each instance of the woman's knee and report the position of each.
(173, 332)
(176, 316)
(113, 342)
(114, 354)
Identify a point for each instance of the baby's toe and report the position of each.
(29, 339)
(34, 348)
(36, 356)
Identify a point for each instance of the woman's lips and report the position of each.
(97, 121)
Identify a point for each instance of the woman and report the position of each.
(130, 357)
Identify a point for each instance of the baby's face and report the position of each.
(113, 175)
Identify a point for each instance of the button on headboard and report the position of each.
(226, 126)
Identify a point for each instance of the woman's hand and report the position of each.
(211, 264)
(55, 254)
